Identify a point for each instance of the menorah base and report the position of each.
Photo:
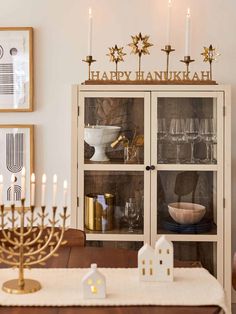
(11, 286)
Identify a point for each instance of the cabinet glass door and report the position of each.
(187, 184)
(114, 147)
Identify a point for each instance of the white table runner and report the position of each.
(62, 287)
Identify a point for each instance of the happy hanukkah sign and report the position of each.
(157, 76)
(140, 46)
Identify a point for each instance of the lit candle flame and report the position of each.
(65, 185)
(55, 179)
(23, 171)
(188, 12)
(44, 178)
(33, 178)
(12, 178)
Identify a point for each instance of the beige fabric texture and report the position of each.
(63, 287)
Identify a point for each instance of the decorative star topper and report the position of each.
(116, 54)
(209, 54)
(140, 44)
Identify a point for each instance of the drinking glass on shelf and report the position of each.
(161, 138)
(192, 135)
(130, 209)
(208, 135)
(177, 135)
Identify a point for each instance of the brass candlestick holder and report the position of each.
(168, 49)
(187, 60)
(23, 246)
(89, 60)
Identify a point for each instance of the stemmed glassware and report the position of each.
(208, 135)
(192, 135)
(177, 135)
(161, 138)
(130, 209)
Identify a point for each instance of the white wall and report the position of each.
(60, 43)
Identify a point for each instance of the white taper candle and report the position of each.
(32, 192)
(1, 189)
(90, 32)
(44, 180)
(12, 198)
(23, 183)
(54, 192)
(65, 187)
(187, 34)
(168, 23)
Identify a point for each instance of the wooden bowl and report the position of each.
(186, 213)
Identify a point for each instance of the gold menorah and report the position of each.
(24, 245)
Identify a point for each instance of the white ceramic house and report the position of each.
(164, 253)
(94, 284)
(156, 265)
(146, 263)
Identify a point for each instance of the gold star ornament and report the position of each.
(140, 47)
(209, 54)
(140, 44)
(116, 54)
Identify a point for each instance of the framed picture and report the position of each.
(16, 69)
(16, 152)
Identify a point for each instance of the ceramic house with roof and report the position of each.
(156, 265)
(94, 284)
(146, 263)
(164, 253)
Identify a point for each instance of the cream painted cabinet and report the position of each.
(142, 156)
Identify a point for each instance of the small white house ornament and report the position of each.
(156, 264)
(94, 284)
(146, 263)
(164, 252)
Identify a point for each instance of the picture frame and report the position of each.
(16, 152)
(16, 69)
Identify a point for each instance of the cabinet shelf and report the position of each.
(187, 167)
(207, 236)
(113, 167)
(190, 237)
(114, 235)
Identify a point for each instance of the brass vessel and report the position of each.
(99, 211)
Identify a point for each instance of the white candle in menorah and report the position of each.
(24, 245)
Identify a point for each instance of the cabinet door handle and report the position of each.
(152, 167)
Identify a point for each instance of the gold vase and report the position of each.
(99, 211)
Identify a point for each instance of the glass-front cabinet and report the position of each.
(154, 160)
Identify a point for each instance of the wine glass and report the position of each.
(177, 135)
(208, 135)
(132, 214)
(192, 134)
(161, 137)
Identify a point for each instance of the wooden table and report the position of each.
(104, 257)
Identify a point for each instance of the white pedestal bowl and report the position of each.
(100, 136)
